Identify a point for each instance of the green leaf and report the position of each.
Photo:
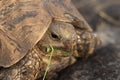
(51, 50)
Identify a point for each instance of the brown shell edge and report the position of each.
(17, 40)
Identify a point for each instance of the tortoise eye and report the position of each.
(54, 36)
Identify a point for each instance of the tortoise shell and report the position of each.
(24, 22)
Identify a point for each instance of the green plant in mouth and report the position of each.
(50, 49)
(63, 52)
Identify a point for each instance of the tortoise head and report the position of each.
(66, 39)
(61, 36)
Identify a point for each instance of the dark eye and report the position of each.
(54, 36)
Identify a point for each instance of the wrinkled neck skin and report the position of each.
(67, 40)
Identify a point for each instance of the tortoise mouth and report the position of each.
(58, 51)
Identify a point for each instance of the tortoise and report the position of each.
(31, 29)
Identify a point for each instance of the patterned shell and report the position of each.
(24, 22)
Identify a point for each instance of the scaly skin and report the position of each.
(27, 69)
(32, 67)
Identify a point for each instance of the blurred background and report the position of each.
(104, 17)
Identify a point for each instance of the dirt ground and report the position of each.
(104, 18)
